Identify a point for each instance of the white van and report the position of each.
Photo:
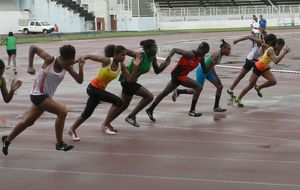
(34, 26)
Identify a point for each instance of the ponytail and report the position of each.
(224, 43)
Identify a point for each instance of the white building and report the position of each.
(137, 15)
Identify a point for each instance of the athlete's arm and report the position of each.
(104, 60)
(42, 54)
(253, 39)
(77, 76)
(187, 54)
(130, 76)
(159, 68)
(276, 59)
(7, 96)
(131, 53)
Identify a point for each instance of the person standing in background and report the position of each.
(55, 28)
(255, 27)
(11, 48)
(262, 23)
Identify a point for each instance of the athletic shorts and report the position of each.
(130, 88)
(11, 52)
(38, 99)
(259, 72)
(249, 64)
(177, 79)
(201, 76)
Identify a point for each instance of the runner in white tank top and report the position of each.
(52, 73)
(47, 81)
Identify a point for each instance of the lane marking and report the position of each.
(162, 156)
(152, 177)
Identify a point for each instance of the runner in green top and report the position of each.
(11, 49)
(7, 96)
(133, 88)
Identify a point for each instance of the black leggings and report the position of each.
(95, 97)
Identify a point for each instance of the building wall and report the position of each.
(204, 24)
(135, 24)
(11, 24)
(9, 5)
(53, 13)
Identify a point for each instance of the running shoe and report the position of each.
(230, 93)
(5, 145)
(132, 121)
(239, 103)
(219, 109)
(194, 113)
(108, 130)
(73, 135)
(258, 91)
(63, 146)
(150, 114)
(174, 95)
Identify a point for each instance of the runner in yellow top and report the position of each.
(112, 66)
(262, 68)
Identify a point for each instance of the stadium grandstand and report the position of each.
(219, 3)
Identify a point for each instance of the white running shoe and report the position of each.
(108, 130)
(72, 134)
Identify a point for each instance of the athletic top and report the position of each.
(143, 68)
(11, 43)
(47, 81)
(185, 66)
(255, 53)
(105, 75)
(208, 61)
(265, 60)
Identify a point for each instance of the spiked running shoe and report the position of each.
(219, 109)
(73, 135)
(132, 121)
(230, 93)
(150, 114)
(63, 146)
(174, 95)
(5, 145)
(194, 113)
(258, 91)
(108, 130)
(239, 103)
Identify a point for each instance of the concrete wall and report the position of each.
(49, 11)
(100, 9)
(9, 5)
(11, 24)
(202, 24)
(135, 23)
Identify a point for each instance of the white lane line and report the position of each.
(162, 156)
(290, 142)
(239, 68)
(152, 177)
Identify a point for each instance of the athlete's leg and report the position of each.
(32, 115)
(271, 80)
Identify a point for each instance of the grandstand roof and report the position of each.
(218, 3)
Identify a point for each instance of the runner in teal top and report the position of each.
(11, 49)
(211, 75)
(7, 95)
(133, 88)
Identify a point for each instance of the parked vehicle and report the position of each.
(34, 26)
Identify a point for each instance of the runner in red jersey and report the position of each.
(179, 76)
